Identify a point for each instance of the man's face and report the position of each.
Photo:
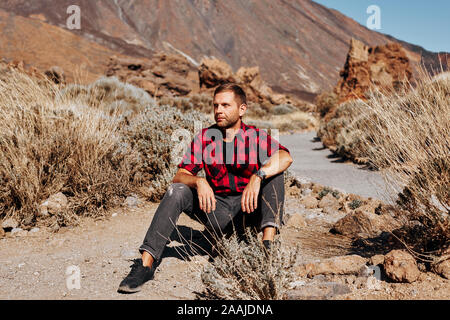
(226, 109)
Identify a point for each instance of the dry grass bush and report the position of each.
(325, 102)
(150, 134)
(111, 95)
(407, 134)
(196, 102)
(52, 144)
(248, 271)
(95, 144)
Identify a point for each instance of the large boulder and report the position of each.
(400, 266)
(386, 66)
(214, 72)
(165, 74)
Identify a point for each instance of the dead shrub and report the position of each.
(248, 271)
(406, 135)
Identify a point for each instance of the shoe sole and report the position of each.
(126, 289)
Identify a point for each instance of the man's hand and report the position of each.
(249, 200)
(206, 197)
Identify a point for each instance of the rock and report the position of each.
(310, 202)
(132, 201)
(370, 206)
(213, 72)
(400, 266)
(364, 224)
(351, 197)
(316, 188)
(19, 232)
(329, 203)
(166, 74)
(297, 221)
(55, 204)
(34, 230)
(9, 224)
(350, 264)
(386, 66)
(376, 259)
(442, 268)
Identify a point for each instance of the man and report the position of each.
(243, 181)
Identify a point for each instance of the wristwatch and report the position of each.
(260, 173)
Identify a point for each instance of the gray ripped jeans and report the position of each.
(228, 213)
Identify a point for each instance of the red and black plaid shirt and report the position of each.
(252, 149)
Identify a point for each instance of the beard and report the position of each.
(227, 123)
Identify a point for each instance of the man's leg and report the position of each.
(177, 199)
(268, 217)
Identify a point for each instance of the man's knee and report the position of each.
(178, 191)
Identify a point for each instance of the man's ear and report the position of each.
(242, 109)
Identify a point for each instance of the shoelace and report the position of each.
(136, 268)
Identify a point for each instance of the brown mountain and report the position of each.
(299, 45)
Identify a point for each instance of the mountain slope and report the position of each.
(299, 45)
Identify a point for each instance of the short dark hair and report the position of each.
(239, 93)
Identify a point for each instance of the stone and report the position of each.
(310, 202)
(19, 232)
(370, 206)
(9, 224)
(55, 204)
(400, 266)
(316, 188)
(376, 260)
(132, 201)
(351, 264)
(297, 221)
(329, 203)
(364, 224)
(442, 268)
(213, 72)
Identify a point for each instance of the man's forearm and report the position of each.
(188, 179)
(277, 163)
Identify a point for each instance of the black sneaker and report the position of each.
(137, 277)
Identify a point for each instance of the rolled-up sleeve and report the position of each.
(192, 159)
